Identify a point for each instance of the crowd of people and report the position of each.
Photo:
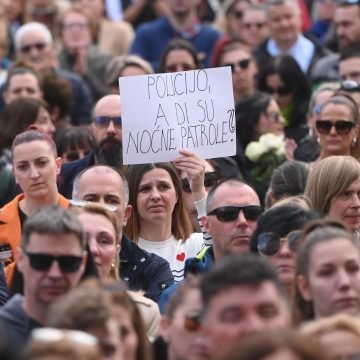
(242, 257)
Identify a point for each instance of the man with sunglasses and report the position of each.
(52, 260)
(106, 131)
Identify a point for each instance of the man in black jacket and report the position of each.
(141, 270)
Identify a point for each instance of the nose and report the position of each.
(333, 130)
(343, 280)
(356, 201)
(155, 194)
(51, 129)
(254, 324)
(284, 250)
(54, 270)
(34, 172)
(241, 220)
(93, 245)
(111, 128)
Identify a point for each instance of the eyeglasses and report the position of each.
(350, 86)
(258, 25)
(242, 64)
(37, 46)
(192, 321)
(210, 180)
(43, 262)
(102, 122)
(270, 243)
(342, 127)
(179, 67)
(231, 213)
(281, 91)
(274, 116)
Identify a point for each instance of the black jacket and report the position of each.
(144, 271)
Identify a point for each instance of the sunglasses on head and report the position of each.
(102, 122)
(43, 262)
(210, 180)
(37, 46)
(342, 127)
(281, 90)
(192, 321)
(269, 243)
(231, 213)
(242, 64)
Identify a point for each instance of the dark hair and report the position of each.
(350, 52)
(179, 44)
(289, 179)
(247, 113)
(17, 117)
(21, 70)
(181, 226)
(238, 270)
(33, 135)
(53, 220)
(265, 344)
(58, 94)
(291, 75)
(73, 138)
(281, 220)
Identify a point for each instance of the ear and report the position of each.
(303, 287)
(165, 330)
(127, 214)
(58, 165)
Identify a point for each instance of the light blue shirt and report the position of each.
(114, 10)
(302, 51)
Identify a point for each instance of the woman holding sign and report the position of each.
(160, 223)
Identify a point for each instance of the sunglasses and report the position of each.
(192, 321)
(231, 213)
(255, 25)
(342, 127)
(102, 122)
(281, 91)
(179, 67)
(274, 116)
(350, 86)
(43, 262)
(37, 46)
(210, 180)
(270, 243)
(242, 64)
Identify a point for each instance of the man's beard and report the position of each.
(109, 152)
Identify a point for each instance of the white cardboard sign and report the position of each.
(163, 113)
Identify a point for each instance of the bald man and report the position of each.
(106, 129)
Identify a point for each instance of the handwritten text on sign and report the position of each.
(163, 113)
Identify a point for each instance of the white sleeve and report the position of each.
(201, 210)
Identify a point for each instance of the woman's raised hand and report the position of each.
(194, 168)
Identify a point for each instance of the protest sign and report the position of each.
(163, 113)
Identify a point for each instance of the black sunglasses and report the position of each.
(342, 127)
(102, 122)
(37, 46)
(231, 213)
(210, 180)
(269, 243)
(281, 90)
(43, 262)
(243, 65)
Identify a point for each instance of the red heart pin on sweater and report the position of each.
(180, 257)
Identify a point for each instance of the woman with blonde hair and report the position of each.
(333, 188)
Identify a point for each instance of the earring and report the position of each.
(354, 142)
